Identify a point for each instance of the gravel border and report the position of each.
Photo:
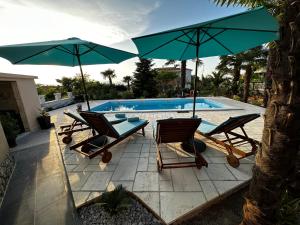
(137, 214)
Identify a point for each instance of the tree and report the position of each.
(144, 83)
(66, 83)
(217, 79)
(252, 60)
(276, 159)
(110, 74)
(165, 80)
(232, 64)
(127, 80)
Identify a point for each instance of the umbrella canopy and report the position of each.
(225, 36)
(68, 52)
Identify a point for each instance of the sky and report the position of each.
(108, 22)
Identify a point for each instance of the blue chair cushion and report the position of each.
(126, 127)
(120, 115)
(206, 127)
(113, 119)
(133, 119)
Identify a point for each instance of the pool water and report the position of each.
(175, 104)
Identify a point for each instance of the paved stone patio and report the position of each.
(173, 192)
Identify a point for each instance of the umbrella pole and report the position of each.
(83, 82)
(196, 72)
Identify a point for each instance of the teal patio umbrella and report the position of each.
(68, 52)
(225, 36)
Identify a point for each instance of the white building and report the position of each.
(177, 70)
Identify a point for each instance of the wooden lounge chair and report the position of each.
(177, 130)
(233, 139)
(104, 128)
(78, 121)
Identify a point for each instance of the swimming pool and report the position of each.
(146, 105)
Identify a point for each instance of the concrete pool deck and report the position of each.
(172, 193)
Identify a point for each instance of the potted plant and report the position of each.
(44, 119)
(10, 128)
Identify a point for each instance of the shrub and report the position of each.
(127, 95)
(289, 212)
(116, 200)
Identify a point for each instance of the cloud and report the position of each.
(127, 17)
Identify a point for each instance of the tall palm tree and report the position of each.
(110, 74)
(217, 79)
(276, 159)
(252, 60)
(232, 64)
(182, 70)
(127, 80)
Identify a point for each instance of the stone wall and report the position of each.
(6, 164)
(58, 102)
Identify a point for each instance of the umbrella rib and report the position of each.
(162, 45)
(89, 49)
(242, 29)
(101, 54)
(64, 49)
(191, 39)
(31, 56)
(218, 42)
(213, 36)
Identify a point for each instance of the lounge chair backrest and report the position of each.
(233, 123)
(98, 122)
(76, 116)
(176, 130)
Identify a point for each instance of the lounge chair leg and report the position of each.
(143, 131)
(233, 160)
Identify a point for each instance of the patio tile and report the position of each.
(184, 179)
(127, 184)
(146, 181)
(152, 167)
(151, 199)
(97, 181)
(165, 174)
(131, 155)
(126, 169)
(175, 204)
(165, 185)
(144, 154)
(219, 172)
(102, 167)
(146, 147)
(209, 190)
(80, 197)
(243, 172)
(70, 167)
(133, 148)
(78, 179)
(201, 174)
(93, 195)
(224, 186)
(143, 164)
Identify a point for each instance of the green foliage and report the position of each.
(66, 83)
(289, 212)
(109, 74)
(10, 126)
(116, 200)
(127, 80)
(144, 83)
(43, 112)
(127, 95)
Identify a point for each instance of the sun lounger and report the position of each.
(104, 128)
(78, 121)
(233, 139)
(177, 130)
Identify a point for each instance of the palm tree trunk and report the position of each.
(128, 85)
(247, 80)
(236, 78)
(110, 80)
(183, 74)
(268, 76)
(276, 158)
